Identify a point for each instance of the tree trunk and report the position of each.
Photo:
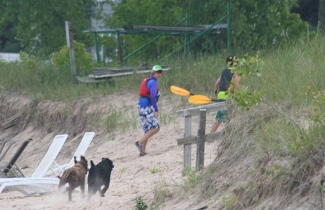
(321, 15)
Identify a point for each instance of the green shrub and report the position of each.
(140, 204)
(154, 170)
(83, 59)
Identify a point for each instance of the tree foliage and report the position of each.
(8, 26)
(255, 24)
(264, 24)
(39, 25)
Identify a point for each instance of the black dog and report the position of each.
(99, 175)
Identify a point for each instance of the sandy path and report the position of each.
(132, 176)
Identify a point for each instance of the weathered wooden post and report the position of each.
(201, 141)
(71, 49)
(188, 139)
(187, 147)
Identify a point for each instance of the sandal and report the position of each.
(143, 154)
(138, 145)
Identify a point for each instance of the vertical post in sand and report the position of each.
(187, 147)
(71, 49)
(201, 141)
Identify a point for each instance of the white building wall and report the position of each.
(9, 57)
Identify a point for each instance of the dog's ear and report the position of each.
(83, 158)
(92, 169)
(75, 160)
(111, 162)
(92, 164)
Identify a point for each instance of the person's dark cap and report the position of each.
(230, 58)
(231, 61)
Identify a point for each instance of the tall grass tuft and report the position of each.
(290, 70)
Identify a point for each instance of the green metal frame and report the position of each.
(187, 31)
(196, 37)
(154, 39)
(229, 50)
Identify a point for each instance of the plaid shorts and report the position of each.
(147, 118)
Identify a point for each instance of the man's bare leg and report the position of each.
(144, 140)
(215, 126)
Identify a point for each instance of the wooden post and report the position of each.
(187, 140)
(201, 141)
(71, 49)
(119, 42)
(187, 147)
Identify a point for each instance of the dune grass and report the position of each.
(278, 145)
(286, 76)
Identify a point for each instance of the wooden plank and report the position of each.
(193, 139)
(92, 80)
(123, 74)
(196, 110)
(113, 70)
(187, 140)
(201, 141)
(210, 137)
(10, 121)
(102, 71)
(109, 75)
(122, 69)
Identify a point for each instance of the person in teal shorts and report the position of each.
(226, 84)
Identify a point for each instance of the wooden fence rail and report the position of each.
(188, 139)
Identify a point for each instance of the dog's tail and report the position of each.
(64, 178)
(61, 183)
(65, 174)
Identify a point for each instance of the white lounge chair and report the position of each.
(37, 180)
(81, 150)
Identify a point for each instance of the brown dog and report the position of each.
(75, 176)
